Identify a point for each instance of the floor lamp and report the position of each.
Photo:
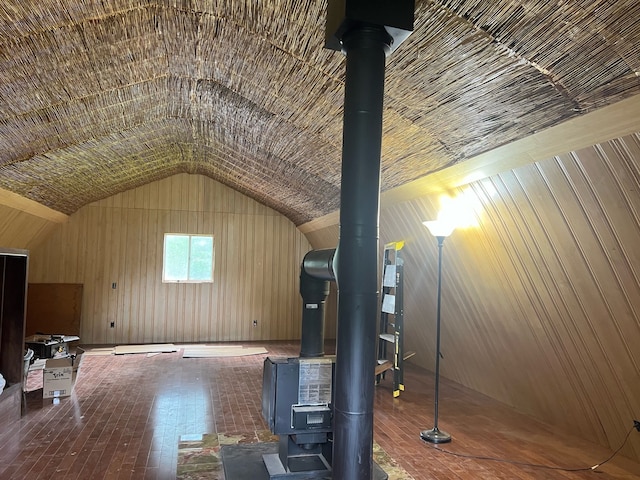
(440, 230)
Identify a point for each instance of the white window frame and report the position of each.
(190, 235)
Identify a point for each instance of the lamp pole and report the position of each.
(440, 231)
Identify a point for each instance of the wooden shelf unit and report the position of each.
(13, 303)
(391, 354)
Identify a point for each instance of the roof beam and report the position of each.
(18, 202)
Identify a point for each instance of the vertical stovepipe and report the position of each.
(357, 255)
(366, 31)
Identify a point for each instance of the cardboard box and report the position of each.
(59, 375)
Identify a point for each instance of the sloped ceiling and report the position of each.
(99, 97)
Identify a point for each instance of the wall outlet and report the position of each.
(255, 323)
(114, 285)
(112, 325)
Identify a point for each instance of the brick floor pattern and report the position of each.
(128, 413)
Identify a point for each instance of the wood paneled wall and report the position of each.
(19, 229)
(541, 299)
(25, 223)
(120, 240)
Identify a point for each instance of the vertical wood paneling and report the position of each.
(22, 230)
(541, 301)
(120, 239)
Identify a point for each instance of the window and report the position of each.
(187, 258)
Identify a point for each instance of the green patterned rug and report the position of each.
(199, 455)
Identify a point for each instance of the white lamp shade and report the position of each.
(438, 228)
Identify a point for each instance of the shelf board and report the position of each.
(389, 337)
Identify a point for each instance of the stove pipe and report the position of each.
(315, 273)
(366, 31)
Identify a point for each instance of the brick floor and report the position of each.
(127, 413)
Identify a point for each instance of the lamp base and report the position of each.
(435, 436)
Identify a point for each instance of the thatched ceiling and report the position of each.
(97, 97)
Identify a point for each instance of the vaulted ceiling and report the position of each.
(99, 97)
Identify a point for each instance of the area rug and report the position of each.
(199, 455)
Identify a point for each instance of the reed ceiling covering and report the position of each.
(97, 97)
